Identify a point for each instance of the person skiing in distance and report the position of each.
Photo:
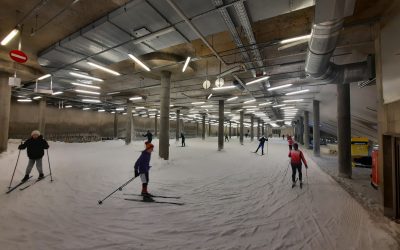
(142, 169)
(149, 136)
(296, 157)
(290, 141)
(35, 146)
(262, 141)
(226, 138)
(283, 137)
(183, 140)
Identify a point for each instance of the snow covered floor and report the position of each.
(234, 199)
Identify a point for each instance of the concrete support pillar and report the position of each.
(42, 116)
(316, 131)
(164, 114)
(128, 137)
(5, 105)
(155, 125)
(252, 128)
(230, 129)
(178, 114)
(241, 127)
(301, 130)
(263, 128)
(258, 128)
(209, 128)
(115, 125)
(203, 131)
(344, 130)
(221, 125)
(197, 129)
(306, 130)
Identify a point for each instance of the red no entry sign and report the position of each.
(18, 56)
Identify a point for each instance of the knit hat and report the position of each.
(149, 145)
(35, 132)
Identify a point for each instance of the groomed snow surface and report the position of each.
(234, 199)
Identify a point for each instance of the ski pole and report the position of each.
(48, 159)
(307, 179)
(12, 178)
(120, 189)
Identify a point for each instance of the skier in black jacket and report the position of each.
(149, 136)
(183, 140)
(262, 140)
(35, 148)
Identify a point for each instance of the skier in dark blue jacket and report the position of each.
(262, 140)
(142, 168)
(149, 136)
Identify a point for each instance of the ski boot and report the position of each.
(147, 197)
(26, 177)
(301, 184)
(41, 176)
(293, 184)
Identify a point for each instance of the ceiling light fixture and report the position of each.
(288, 107)
(186, 64)
(113, 93)
(196, 103)
(280, 87)
(139, 62)
(85, 85)
(101, 110)
(209, 96)
(258, 80)
(298, 92)
(280, 105)
(120, 109)
(86, 76)
(24, 100)
(232, 98)
(249, 101)
(206, 106)
(135, 98)
(37, 97)
(68, 106)
(57, 93)
(224, 88)
(85, 108)
(264, 104)
(91, 100)
(294, 39)
(104, 69)
(87, 92)
(296, 100)
(44, 77)
(9, 37)
(140, 108)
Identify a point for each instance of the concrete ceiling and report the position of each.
(62, 36)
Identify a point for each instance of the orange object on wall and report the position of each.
(374, 174)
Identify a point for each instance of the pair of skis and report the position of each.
(294, 184)
(156, 201)
(27, 186)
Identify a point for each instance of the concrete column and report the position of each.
(115, 125)
(197, 129)
(209, 128)
(301, 125)
(128, 137)
(258, 128)
(237, 130)
(306, 130)
(316, 133)
(164, 114)
(344, 130)
(5, 105)
(263, 128)
(230, 129)
(155, 125)
(178, 113)
(241, 127)
(42, 116)
(203, 132)
(221, 125)
(252, 128)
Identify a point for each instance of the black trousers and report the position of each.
(298, 168)
(262, 148)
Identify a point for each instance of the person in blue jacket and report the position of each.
(262, 140)
(142, 168)
(35, 148)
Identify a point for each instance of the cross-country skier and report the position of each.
(226, 138)
(262, 140)
(35, 148)
(297, 157)
(290, 141)
(183, 140)
(149, 136)
(142, 168)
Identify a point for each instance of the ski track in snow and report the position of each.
(233, 200)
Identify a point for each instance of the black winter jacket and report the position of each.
(35, 147)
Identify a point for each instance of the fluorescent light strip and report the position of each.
(44, 77)
(24, 100)
(258, 80)
(135, 98)
(249, 101)
(57, 93)
(195, 103)
(87, 92)
(249, 107)
(186, 64)
(298, 92)
(85, 108)
(104, 69)
(206, 106)
(91, 100)
(85, 85)
(140, 108)
(9, 37)
(295, 100)
(280, 87)
(280, 105)
(100, 110)
(264, 104)
(120, 109)
(68, 106)
(224, 87)
(209, 96)
(113, 93)
(139, 62)
(294, 39)
(288, 107)
(86, 76)
(232, 98)
(37, 97)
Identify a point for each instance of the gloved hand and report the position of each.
(20, 147)
(136, 173)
